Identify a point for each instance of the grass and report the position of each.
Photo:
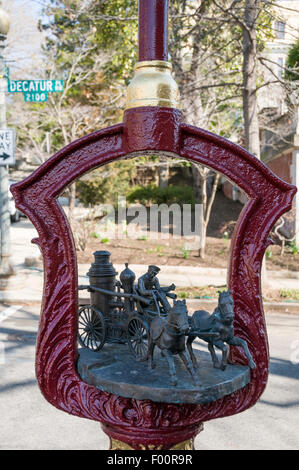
(289, 294)
(204, 292)
(95, 235)
(293, 248)
(185, 252)
(211, 292)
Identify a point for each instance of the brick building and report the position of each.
(280, 152)
(280, 146)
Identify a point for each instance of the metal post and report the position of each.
(5, 248)
(153, 30)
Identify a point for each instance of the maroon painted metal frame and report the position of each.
(153, 30)
(157, 129)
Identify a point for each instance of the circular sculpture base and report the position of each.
(114, 370)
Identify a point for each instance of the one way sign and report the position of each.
(7, 140)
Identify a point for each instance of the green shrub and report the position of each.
(293, 248)
(292, 63)
(150, 194)
(289, 293)
(105, 185)
(185, 252)
(182, 295)
(95, 235)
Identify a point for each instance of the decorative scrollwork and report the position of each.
(155, 130)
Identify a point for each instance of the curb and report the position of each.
(11, 297)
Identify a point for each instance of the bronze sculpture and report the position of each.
(140, 316)
(121, 311)
(149, 286)
(169, 336)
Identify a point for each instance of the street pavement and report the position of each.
(29, 422)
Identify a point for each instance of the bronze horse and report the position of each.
(169, 335)
(216, 329)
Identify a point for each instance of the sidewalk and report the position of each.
(27, 284)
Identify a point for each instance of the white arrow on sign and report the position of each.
(7, 147)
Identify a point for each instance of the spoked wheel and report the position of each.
(92, 328)
(138, 338)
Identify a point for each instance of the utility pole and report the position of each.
(250, 110)
(5, 248)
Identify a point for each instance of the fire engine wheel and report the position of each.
(92, 328)
(138, 338)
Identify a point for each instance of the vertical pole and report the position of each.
(296, 182)
(5, 247)
(250, 110)
(48, 142)
(153, 30)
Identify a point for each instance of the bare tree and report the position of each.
(201, 50)
(63, 119)
(24, 40)
(250, 109)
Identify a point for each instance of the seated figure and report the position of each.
(149, 286)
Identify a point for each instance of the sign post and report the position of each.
(6, 154)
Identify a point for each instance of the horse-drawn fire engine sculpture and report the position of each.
(124, 313)
(118, 312)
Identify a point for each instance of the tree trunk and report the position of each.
(207, 208)
(200, 175)
(202, 248)
(250, 111)
(72, 193)
(163, 171)
(196, 176)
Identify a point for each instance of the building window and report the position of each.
(279, 29)
(280, 67)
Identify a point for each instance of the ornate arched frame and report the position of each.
(147, 129)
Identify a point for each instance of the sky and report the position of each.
(35, 5)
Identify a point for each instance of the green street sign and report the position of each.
(35, 86)
(35, 97)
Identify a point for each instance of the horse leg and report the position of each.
(191, 352)
(213, 355)
(220, 345)
(169, 357)
(189, 367)
(235, 341)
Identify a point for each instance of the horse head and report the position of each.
(226, 307)
(178, 316)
